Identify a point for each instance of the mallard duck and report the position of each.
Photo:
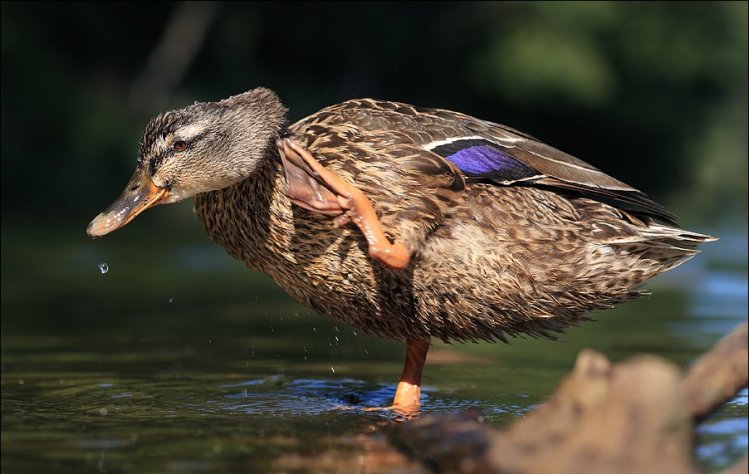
(410, 223)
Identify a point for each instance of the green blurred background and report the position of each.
(653, 93)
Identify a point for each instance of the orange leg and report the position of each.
(358, 209)
(408, 394)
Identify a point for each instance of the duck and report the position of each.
(409, 223)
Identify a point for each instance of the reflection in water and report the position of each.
(168, 370)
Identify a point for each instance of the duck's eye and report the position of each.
(180, 145)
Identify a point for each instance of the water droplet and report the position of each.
(103, 267)
(103, 412)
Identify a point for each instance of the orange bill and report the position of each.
(139, 195)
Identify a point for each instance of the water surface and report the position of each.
(179, 359)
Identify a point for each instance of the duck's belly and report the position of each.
(484, 275)
(465, 285)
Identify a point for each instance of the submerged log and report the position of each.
(635, 416)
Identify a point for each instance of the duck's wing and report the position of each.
(413, 163)
(485, 151)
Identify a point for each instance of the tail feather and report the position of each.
(669, 246)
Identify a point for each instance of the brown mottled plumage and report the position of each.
(492, 254)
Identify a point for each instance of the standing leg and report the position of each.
(408, 394)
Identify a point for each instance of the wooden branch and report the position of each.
(718, 375)
(183, 36)
(741, 467)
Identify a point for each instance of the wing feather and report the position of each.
(521, 159)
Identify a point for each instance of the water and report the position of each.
(184, 361)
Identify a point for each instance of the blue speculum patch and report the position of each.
(482, 158)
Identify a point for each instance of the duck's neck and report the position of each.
(244, 218)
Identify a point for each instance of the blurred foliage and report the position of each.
(653, 93)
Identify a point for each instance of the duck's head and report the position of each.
(203, 147)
